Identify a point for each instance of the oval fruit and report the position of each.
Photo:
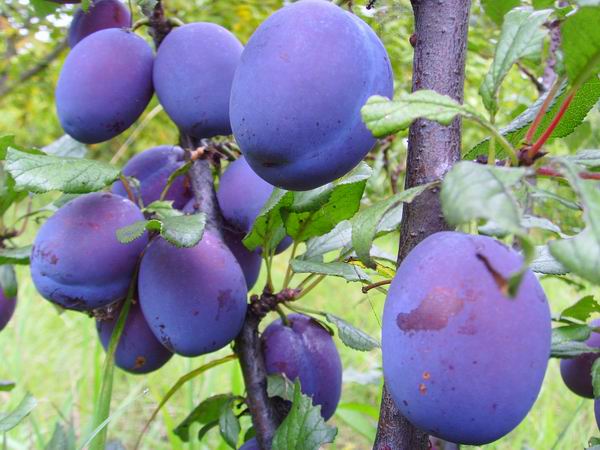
(577, 372)
(101, 14)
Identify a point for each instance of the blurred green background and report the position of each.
(57, 357)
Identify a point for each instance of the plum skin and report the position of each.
(138, 350)
(101, 14)
(297, 93)
(250, 444)
(577, 372)
(192, 75)
(104, 85)
(152, 168)
(305, 350)
(7, 309)
(77, 261)
(462, 361)
(194, 299)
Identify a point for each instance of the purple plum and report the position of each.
(7, 309)
(462, 360)
(305, 350)
(193, 73)
(77, 261)
(194, 299)
(577, 372)
(105, 85)
(250, 444)
(152, 168)
(101, 14)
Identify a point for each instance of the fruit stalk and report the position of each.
(438, 64)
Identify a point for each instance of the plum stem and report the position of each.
(375, 285)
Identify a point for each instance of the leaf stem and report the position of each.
(289, 274)
(535, 148)
(368, 287)
(127, 187)
(310, 287)
(550, 172)
(510, 150)
(540, 114)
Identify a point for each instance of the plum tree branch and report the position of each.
(439, 64)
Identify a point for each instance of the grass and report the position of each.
(57, 357)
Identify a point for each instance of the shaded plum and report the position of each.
(194, 299)
(597, 412)
(105, 85)
(250, 444)
(138, 350)
(241, 195)
(250, 262)
(7, 309)
(100, 15)
(193, 73)
(77, 261)
(464, 362)
(297, 93)
(305, 350)
(577, 372)
(152, 168)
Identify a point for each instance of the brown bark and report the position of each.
(439, 64)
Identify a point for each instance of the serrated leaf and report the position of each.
(206, 412)
(8, 193)
(545, 263)
(303, 428)
(269, 220)
(66, 146)
(334, 269)
(497, 9)
(536, 192)
(580, 35)
(568, 341)
(181, 231)
(366, 222)
(472, 191)
(542, 223)
(12, 419)
(162, 208)
(521, 36)
(338, 238)
(583, 309)
(384, 116)
(43, 173)
(229, 426)
(278, 385)
(7, 386)
(15, 255)
(352, 337)
(585, 99)
(8, 280)
(581, 253)
(132, 232)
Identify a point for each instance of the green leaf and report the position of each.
(581, 253)
(545, 263)
(132, 232)
(580, 35)
(278, 385)
(8, 193)
(596, 377)
(336, 269)
(568, 341)
(43, 173)
(162, 209)
(352, 337)
(10, 420)
(8, 280)
(181, 231)
(585, 99)
(588, 158)
(583, 309)
(269, 220)
(303, 428)
(147, 6)
(314, 213)
(7, 386)
(15, 255)
(521, 36)
(472, 191)
(43, 8)
(338, 238)
(6, 141)
(66, 146)
(384, 116)
(229, 426)
(497, 9)
(365, 224)
(206, 428)
(206, 412)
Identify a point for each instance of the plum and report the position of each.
(7, 309)
(194, 299)
(77, 261)
(138, 350)
(305, 350)
(193, 73)
(462, 360)
(241, 196)
(250, 444)
(152, 168)
(577, 372)
(101, 14)
(597, 412)
(298, 90)
(250, 262)
(104, 85)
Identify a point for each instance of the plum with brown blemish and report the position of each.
(577, 372)
(138, 350)
(305, 350)
(7, 308)
(194, 299)
(100, 15)
(462, 360)
(77, 261)
(152, 169)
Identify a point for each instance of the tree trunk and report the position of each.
(439, 63)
